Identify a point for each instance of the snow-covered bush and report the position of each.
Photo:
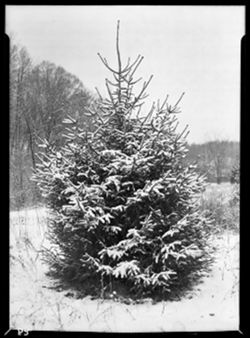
(220, 202)
(235, 174)
(123, 206)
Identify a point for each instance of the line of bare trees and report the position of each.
(217, 159)
(40, 97)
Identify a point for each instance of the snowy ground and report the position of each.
(212, 305)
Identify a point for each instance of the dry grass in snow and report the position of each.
(211, 305)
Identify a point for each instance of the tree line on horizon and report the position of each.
(217, 159)
(42, 95)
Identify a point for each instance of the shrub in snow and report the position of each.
(235, 174)
(124, 208)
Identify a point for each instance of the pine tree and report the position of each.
(124, 207)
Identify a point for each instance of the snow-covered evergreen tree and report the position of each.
(124, 207)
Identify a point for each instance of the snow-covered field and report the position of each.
(211, 305)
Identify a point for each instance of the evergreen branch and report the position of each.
(138, 112)
(181, 134)
(119, 62)
(136, 81)
(158, 105)
(139, 105)
(126, 71)
(127, 65)
(185, 136)
(112, 84)
(139, 60)
(100, 96)
(148, 115)
(109, 92)
(164, 102)
(175, 127)
(143, 97)
(117, 47)
(100, 118)
(145, 85)
(130, 68)
(104, 124)
(178, 101)
(92, 113)
(123, 76)
(104, 61)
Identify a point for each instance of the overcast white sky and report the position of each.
(191, 49)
